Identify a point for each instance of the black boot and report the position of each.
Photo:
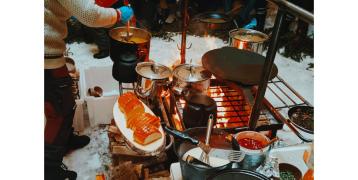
(59, 173)
(54, 168)
(101, 54)
(76, 142)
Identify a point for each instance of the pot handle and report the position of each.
(180, 135)
(141, 53)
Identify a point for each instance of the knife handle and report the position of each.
(181, 135)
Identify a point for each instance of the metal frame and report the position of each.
(284, 7)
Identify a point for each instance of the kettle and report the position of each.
(197, 108)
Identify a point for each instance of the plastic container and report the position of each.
(99, 108)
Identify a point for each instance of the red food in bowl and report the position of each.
(250, 143)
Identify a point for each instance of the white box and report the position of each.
(99, 108)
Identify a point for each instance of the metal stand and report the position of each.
(284, 6)
(120, 89)
(270, 57)
(183, 34)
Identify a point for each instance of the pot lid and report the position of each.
(191, 73)
(153, 70)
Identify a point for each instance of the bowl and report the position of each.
(285, 167)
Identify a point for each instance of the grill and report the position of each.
(233, 112)
(234, 105)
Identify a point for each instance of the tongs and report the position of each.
(231, 155)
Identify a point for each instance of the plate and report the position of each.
(153, 148)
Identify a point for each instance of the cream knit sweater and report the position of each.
(56, 14)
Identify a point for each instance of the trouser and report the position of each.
(99, 36)
(59, 111)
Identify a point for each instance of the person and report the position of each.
(99, 35)
(59, 105)
(260, 7)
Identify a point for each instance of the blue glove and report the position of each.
(252, 24)
(126, 13)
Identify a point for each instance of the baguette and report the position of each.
(146, 134)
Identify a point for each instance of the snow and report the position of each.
(92, 159)
(95, 157)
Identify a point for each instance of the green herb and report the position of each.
(286, 175)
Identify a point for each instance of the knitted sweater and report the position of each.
(56, 14)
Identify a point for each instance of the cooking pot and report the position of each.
(248, 39)
(208, 22)
(253, 158)
(153, 79)
(238, 174)
(198, 108)
(126, 52)
(193, 171)
(191, 76)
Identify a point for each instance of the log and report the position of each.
(114, 130)
(164, 173)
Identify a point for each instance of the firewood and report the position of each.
(122, 150)
(138, 170)
(146, 174)
(124, 171)
(118, 138)
(164, 173)
(114, 129)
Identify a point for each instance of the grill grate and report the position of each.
(233, 109)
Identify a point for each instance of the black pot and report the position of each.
(123, 70)
(238, 174)
(190, 171)
(126, 53)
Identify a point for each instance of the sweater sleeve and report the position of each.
(90, 14)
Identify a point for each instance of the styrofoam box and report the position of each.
(99, 108)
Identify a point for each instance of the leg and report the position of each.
(244, 14)
(260, 15)
(101, 38)
(59, 110)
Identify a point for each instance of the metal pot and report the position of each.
(248, 39)
(238, 174)
(191, 171)
(253, 158)
(153, 79)
(210, 22)
(126, 52)
(190, 76)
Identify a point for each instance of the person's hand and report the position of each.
(126, 13)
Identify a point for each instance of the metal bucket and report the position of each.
(253, 158)
(248, 39)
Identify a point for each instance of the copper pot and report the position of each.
(248, 39)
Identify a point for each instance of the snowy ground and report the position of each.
(95, 158)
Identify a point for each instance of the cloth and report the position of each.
(59, 106)
(106, 3)
(56, 14)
